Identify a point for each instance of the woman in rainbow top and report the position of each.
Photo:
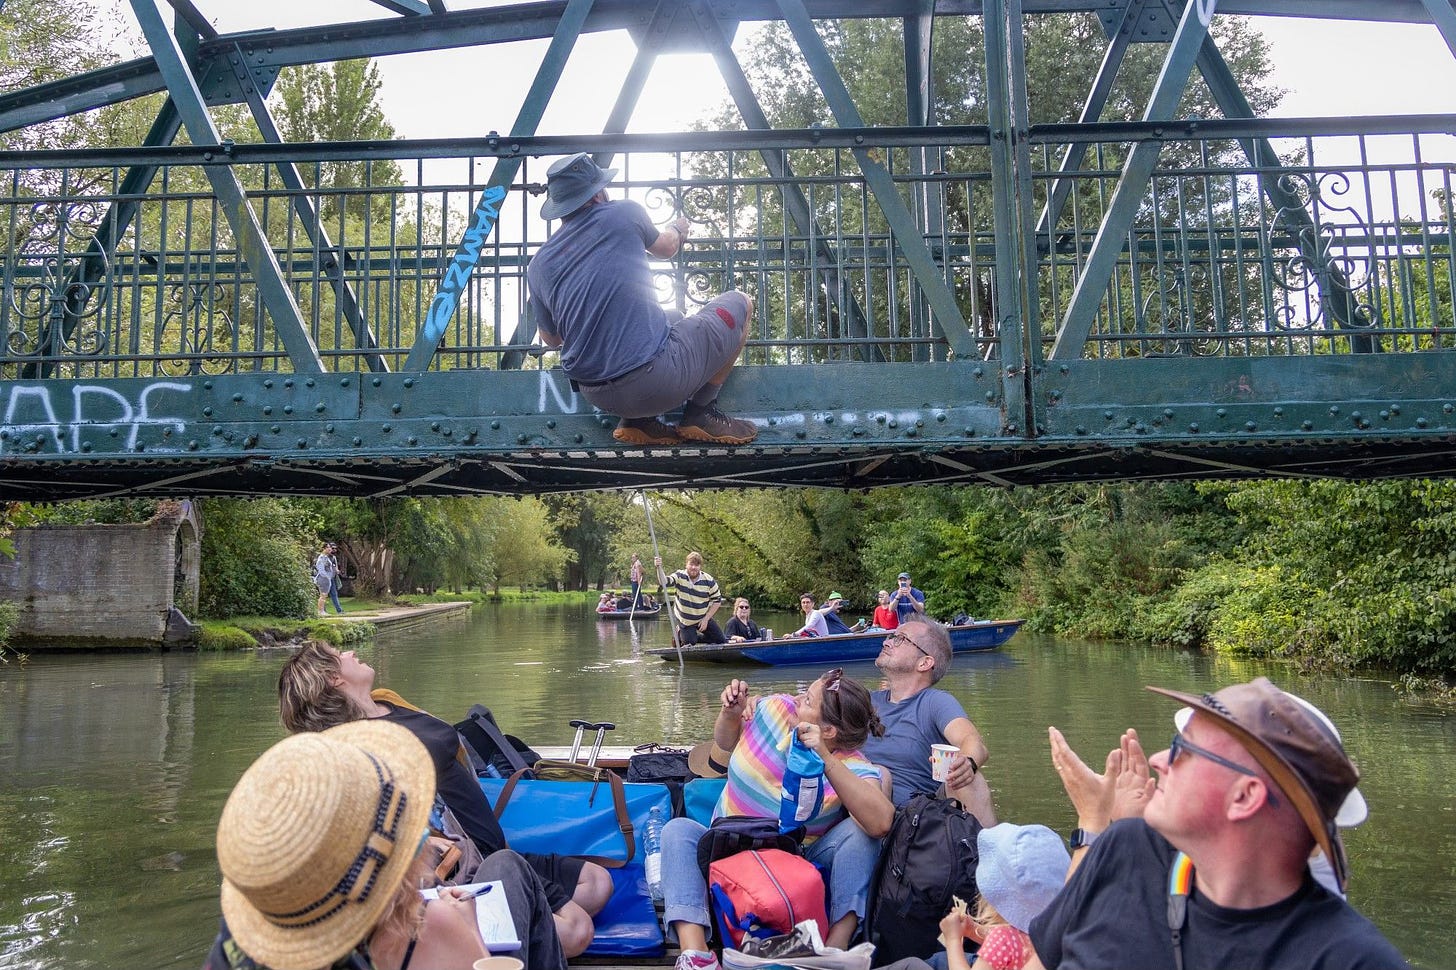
(832, 717)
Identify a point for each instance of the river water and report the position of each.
(114, 767)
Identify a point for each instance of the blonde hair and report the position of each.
(986, 916)
(405, 913)
(695, 559)
(308, 699)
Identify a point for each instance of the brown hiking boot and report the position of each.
(645, 431)
(710, 424)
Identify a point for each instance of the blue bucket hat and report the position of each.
(1021, 870)
(572, 181)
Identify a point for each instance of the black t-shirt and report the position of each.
(737, 628)
(456, 785)
(1112, 915)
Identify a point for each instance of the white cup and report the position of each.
(940, 755)
(497, 963)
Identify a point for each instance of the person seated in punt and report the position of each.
(320, 687)
(322, 850)
(814, 622)
(833, 717)
(741, 627)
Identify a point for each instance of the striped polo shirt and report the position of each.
(694, 596)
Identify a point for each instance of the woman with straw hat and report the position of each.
(319, 846)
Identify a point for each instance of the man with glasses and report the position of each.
(916, 714)
(1215, 871)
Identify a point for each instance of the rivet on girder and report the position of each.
(520, 439)
(267, 409)
(329, 427)
(550, 424)
(275, 429)
(1356, 417)
(207, 385)
(1222, 412)
(1106, 415)
(1011, 429)
(207, 412)
(300, 443)
(856, 431)
(828, 419)
(343, 382)
(892, 423)
(114, 432)
(268, 383)
(990, 396)
(1395, 409)
(448, 432)
(1307, 425)
(395, 407)
(319, 407)
(217, 429)
(969, 432)
(409, 382)
(577, 438)
(309, 382)
(773, 422)
(940, 418)
(495, 426)
(412, 440)
(977, 372)
(1384, 415)
(385, 428)
(1446, 408)
(376, 382)
(1278, 412)
(919, 422)
(1167, 412)
(288, 409)
(1420, 422)
(911, 432)
(356, 441)
(192, 445)
(434, 426)
(801, 434)
(1193, 427)
(288, 382)
(237, 399)
(1334, 409)
(1080, 430)
(1250, 426)
(85, 446)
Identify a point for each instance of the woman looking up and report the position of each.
(320, 687)
(833, 717)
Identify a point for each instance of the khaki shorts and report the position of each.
(697, 347)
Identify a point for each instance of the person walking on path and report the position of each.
(324, 571)
(338, 577)
(1208, 865)
(698, 598)
(592, 296)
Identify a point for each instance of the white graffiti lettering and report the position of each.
(567, 404)
(30, 410)
(1205, 11)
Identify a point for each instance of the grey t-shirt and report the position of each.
(911, 727)
(591, 286)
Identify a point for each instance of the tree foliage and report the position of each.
(256, 559)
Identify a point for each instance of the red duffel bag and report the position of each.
(765, 892)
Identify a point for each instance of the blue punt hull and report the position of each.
(839, 648)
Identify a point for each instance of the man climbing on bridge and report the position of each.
(591, 295)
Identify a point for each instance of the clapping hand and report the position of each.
(1121, 791)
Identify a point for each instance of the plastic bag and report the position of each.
(803, 948)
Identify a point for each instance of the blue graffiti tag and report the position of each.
(457, 276)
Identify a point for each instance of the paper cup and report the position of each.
(940, 755)
(497, 963)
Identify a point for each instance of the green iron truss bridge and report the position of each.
(1011, 303)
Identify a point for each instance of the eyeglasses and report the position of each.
(1181, 744)
(832, 678)
(904, 639)
(741, 606)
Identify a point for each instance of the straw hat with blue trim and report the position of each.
(316, 838)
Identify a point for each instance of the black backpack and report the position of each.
(493, 753)
(929, 856)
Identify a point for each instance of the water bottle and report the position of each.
(803, 786)
(652, 851)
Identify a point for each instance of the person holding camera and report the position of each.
(906, 600)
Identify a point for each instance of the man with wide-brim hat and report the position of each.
(592, 295)
(1216, 871)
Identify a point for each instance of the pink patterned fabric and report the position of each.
(1005, 948)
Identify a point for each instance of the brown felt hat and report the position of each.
(1300, 749)
(316, 838)
(707, 760)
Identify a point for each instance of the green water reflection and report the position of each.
(113, 768)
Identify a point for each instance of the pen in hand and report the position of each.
(476, 892)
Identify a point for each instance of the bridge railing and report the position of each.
(124, 263)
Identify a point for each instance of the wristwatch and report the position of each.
(1082, 838)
